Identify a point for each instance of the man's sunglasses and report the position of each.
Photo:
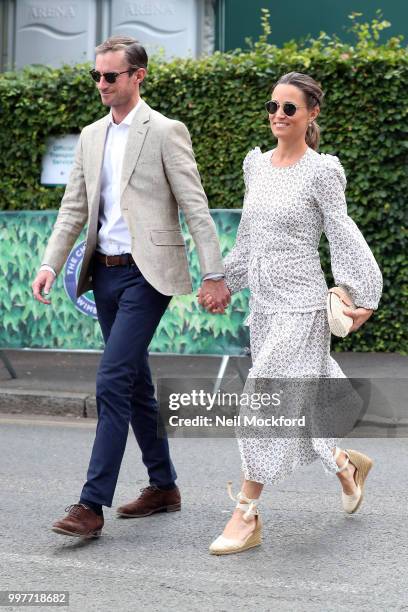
(110, 77)
(289, 108)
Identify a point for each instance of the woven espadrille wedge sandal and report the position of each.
(363, 465)
(228, 546)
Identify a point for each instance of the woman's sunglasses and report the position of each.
(289, 108)
(110, 77)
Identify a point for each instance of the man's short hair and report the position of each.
(134, 52)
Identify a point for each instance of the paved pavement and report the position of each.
(314, 557)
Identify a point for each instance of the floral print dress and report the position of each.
(276, 255)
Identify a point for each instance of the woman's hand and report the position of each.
(359, 316)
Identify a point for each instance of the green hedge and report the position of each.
(220, 98)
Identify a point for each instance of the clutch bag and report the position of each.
(339, 323)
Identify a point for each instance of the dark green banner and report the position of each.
(71, 324)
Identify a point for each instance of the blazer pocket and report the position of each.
(167, 237)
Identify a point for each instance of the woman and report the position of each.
(293, 193)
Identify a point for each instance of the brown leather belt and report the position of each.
(114, 260)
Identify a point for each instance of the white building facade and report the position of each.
(56, 32)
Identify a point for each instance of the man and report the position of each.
(133, 170)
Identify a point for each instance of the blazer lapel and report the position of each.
(98, 149)
(95, 170)
(137, 135)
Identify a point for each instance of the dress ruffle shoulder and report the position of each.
(332, 165)
(249, 162)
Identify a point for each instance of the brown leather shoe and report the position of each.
(80, 522)
(151, 500)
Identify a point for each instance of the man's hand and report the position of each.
(42, 284)
(359, 316)
(214, 296)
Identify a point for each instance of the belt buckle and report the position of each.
(107, 264)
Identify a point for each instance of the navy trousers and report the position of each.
(129, 310)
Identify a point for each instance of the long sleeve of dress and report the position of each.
(352, 262)
(236, 262)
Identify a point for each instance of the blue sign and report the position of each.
(85, 303)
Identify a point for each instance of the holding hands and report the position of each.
(214, 296)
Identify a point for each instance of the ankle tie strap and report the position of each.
(248, 506)
(345, 464)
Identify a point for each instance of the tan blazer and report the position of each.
(159, 175)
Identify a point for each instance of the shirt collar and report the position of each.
(129, 117)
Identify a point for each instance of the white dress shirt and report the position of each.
(113, 236)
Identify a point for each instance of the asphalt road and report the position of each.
(314, 557)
